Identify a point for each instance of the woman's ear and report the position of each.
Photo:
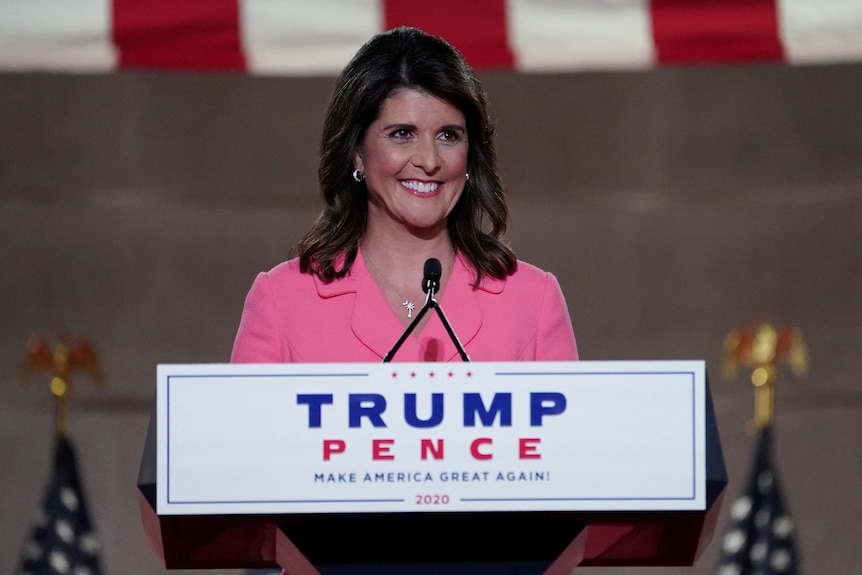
(357, 162)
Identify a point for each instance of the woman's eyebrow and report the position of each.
(453, 127)
(401, 125)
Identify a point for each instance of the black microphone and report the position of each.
(432, 272)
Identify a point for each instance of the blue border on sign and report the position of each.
(694, 474)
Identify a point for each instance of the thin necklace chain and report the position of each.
(407, 303)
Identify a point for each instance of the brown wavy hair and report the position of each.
(405, 58)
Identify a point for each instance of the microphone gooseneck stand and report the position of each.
(430, 285)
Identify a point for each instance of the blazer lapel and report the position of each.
(376, 326)
(463, 306)
(373, 322)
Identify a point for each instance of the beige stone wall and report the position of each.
(673, 205)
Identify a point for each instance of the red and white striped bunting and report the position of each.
(317, 37)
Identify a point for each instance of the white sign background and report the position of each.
(233, 438)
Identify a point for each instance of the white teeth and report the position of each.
(420, 187)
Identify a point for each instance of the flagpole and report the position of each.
(760, 538)
(62, 541)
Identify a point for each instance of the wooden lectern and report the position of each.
(513, 468)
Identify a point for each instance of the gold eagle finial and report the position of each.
(60, 362)
(762, 347)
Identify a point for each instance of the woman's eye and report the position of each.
(401, 134)
(450, 136)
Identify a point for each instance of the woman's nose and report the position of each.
(427, 156)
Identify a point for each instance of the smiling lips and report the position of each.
(418, 187)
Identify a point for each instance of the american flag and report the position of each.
(62, 541)
(760, 539)
(314, 37)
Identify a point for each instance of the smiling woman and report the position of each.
(407, 172)
(414, 159)
(402, 62)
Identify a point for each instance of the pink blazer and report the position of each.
(294, 317)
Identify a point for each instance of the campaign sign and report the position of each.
(414, 437)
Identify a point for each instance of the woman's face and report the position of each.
(414, 157)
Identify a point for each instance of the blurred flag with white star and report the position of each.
(760, 538)
(61, 540)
